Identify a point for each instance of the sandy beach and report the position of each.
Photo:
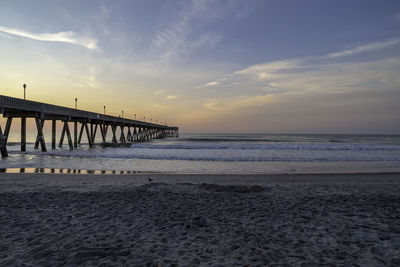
(200, 220)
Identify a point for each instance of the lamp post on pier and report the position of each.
(122, 114)
(76, 103)
(135, 116)
(24, 90)
(104, 110)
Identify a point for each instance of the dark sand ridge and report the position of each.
(200, 219)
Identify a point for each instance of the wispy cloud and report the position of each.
(177, 39)
(214, 83)
(322, 87)
(89, 80)
(366, 48)
(279, 70)
(270, 69)
(171, 97)
(190, 29)
(315, 77)
(63, 37)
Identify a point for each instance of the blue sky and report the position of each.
(211, 66)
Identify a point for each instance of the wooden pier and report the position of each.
(90, 123)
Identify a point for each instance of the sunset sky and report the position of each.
(273, 66)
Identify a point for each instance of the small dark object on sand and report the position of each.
(150, 180)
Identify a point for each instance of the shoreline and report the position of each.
(127, 172)
(198, 220)
(24, 182)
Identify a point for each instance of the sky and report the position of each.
(271, 66)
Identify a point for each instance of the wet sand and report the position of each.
(191, 220)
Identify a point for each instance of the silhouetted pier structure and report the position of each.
(90, 122)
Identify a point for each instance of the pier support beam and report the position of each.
(94, 132)
(88, 135)
(53, 134)
(71, 146)
(68, 132)
(40, 136)
(122, 137)
(139, 135)
(23, 134)
(7, 129)
(91, 130)
(81, 132)
(114, 139)
(103, 137)
(105, 129)
(62, 136)
(129, 135)
(75, 134)
(135, 137)
(3, 148)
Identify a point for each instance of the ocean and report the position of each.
(219, 154)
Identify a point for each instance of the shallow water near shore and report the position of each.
(222, 153)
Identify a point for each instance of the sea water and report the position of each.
(223, 153)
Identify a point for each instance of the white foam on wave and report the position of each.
(274, 146)
(251, 155)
